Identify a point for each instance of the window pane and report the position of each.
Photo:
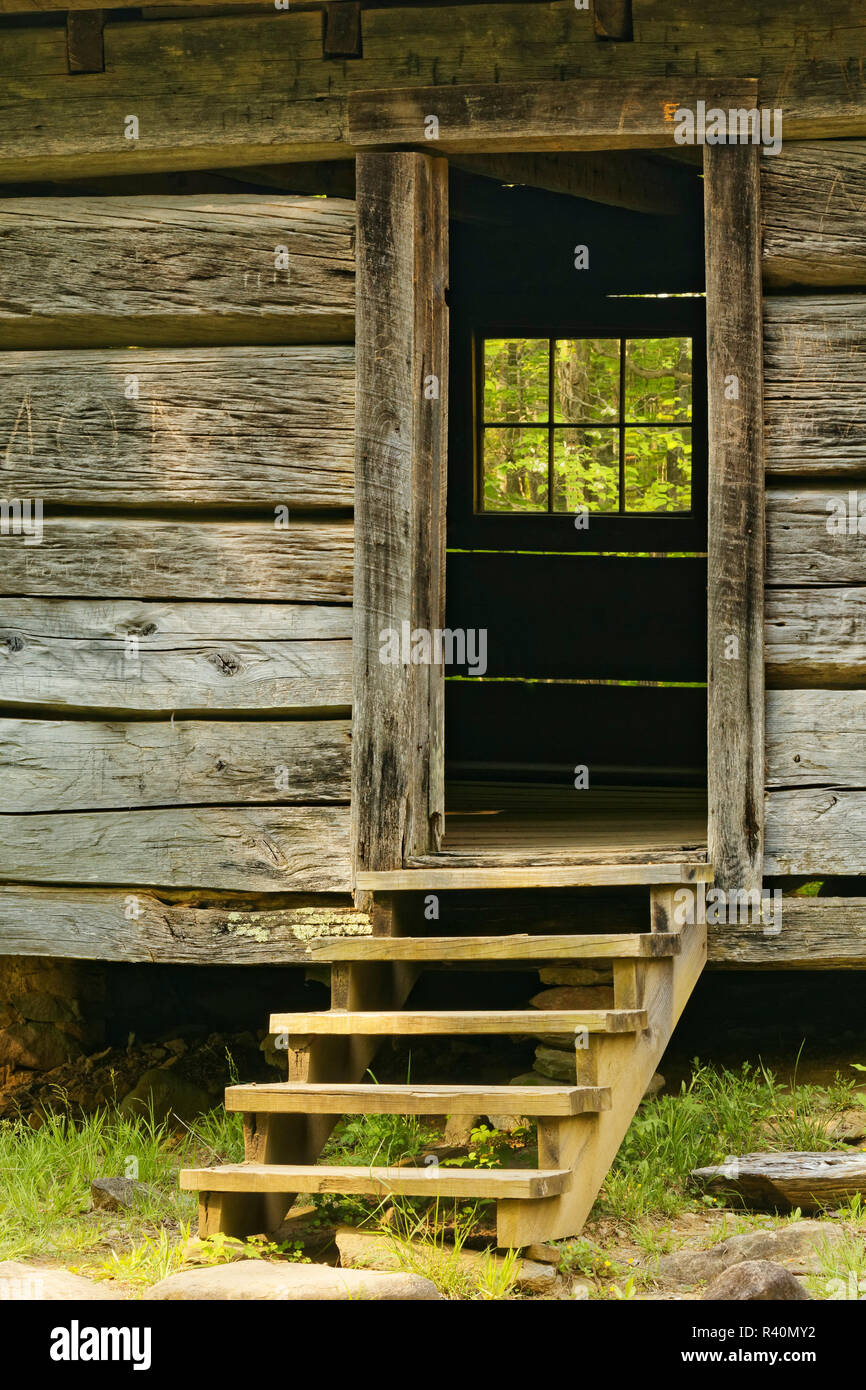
(515, 470)
(586, 470)
(658, 379)
(658, 470)
(586, 379)
(516, 379)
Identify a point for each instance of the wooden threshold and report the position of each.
(428, 876)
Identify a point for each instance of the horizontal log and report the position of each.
(135, 658)
(77, 765)
(816, 831)
(814, 365)
(255, 848)
(816, 934)
(812, 196)
(816, 738)
(229, 426)
(213, 92)
(196, 269)
(105, 924)
(804, 1181)
(306, 561)
(615, 177)
(500, 117)
(815, 637)
(812, 535)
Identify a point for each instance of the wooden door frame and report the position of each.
(401, 435)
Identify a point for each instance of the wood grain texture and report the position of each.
(375, 1182)
(338, 1099)
(735, 563)
(816, 637)
(544, 876)
(814, 364)
(134, 657)
(112, 924)
(812, 199)
(229, 426)
(401, 433)
(813, 535)
(816, 738)
(817, 934)
(457, 1021)
(805, 1181)
(308, 561)
(260, 848)
(816, 831)
(78, 765)
(516, 946)
(171, 73)
(512, 116)
(186, 269)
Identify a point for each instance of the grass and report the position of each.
(45, 1177)
(46, 1172)
(719, 1112)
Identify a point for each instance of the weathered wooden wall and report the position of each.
(814, 257)
(175, 653)
(259, 86)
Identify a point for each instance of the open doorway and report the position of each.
(577, 505)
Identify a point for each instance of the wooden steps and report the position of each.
(479, 1183)
(519, 946)
(403, 1023)
(337, 1098)
(580, 1127)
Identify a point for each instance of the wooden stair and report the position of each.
(580, 1126)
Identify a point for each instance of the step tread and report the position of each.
(336, 1098)
(408, 1182)
(446, 1021)
(430, 876)
(516, 946)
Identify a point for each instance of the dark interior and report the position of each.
(596, 637)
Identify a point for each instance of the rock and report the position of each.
(282, 1281)
(20, 1282)
(795, 1246)
(574, 997)
(555, 1064)
(756, 1281)
(509, 1123)
(849, 1127)
(37, 1046)
(117, 1194)
(458, 1128)
(656, 1084)
(37, 1007)
(529, 1078)
(576, 975)
(365, 1249)
(166, 1094)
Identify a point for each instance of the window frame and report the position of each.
(627, 317)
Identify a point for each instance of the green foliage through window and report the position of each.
(601, 424)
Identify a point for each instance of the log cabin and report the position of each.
(323, 324)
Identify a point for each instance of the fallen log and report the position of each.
(810, 1181)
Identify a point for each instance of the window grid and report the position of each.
(551, 425)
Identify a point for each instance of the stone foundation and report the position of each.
(51, 1011)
